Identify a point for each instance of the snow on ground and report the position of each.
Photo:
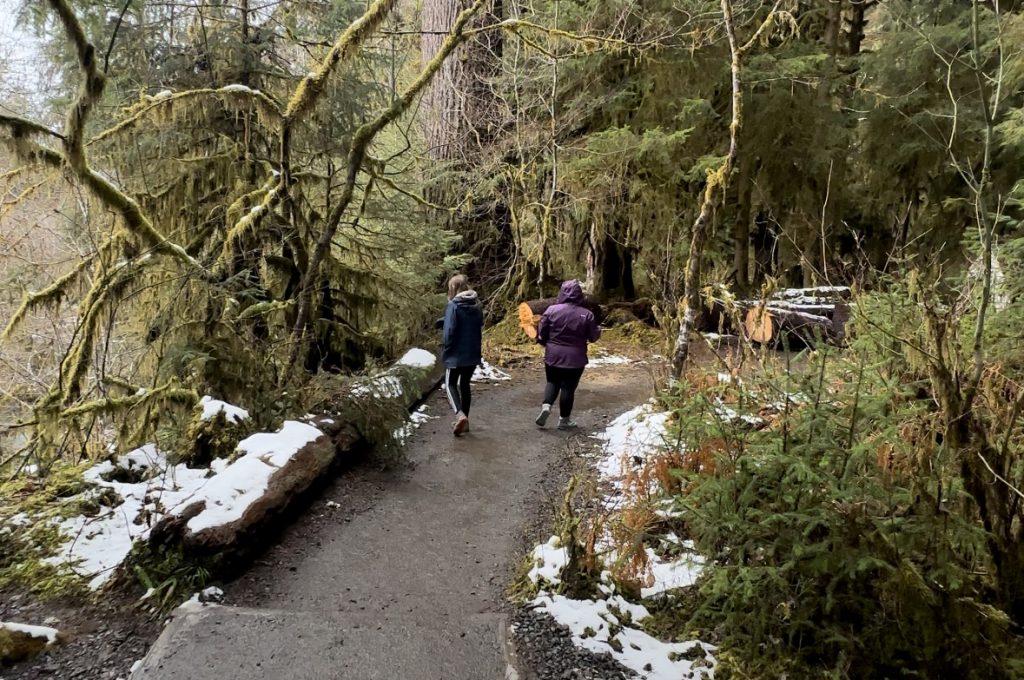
(44, 632)
(593, 622)
(205, 596)
(548, 560)
(610, 625)
(603, 359)
(485, 372)
(95, 546)
(416, 418)
(633, 436)
(678, 573)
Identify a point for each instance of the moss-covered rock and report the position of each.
(20, 643)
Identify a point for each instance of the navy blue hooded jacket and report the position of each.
(463, 327)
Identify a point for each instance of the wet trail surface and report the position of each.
(402, 573)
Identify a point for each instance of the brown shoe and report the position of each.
(461, 424)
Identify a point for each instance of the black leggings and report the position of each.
(564, 381)
(456, 386)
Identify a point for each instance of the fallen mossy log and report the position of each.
(217, 534)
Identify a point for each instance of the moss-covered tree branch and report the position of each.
(361, 141)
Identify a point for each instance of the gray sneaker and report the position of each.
(542, 418)
(567, 424)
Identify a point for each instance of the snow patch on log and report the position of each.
(211, 407)
(206, 508)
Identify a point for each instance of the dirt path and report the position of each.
(401, 574)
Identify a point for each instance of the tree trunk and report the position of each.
(714, 189)
(766, 249)
(741, 228)
(458, 105)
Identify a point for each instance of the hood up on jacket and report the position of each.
(571, 292)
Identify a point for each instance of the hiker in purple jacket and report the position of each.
(565, 329)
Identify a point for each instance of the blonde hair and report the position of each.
(457, 284)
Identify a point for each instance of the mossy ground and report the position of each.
(30, 510)
(506, 344)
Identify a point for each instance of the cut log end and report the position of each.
(774, 325)
(528, 320)
(759, 325)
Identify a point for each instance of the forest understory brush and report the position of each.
(837, 516)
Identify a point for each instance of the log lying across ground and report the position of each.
(297, 456)
(794, 316)
(798, 317)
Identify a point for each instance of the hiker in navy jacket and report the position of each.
(463, 328)
(565, 329)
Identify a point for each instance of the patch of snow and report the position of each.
(163, 94)
(136, 666)
(634, 435)
(210, 595)
(608, 360)
(381, 387)
(231, 492)
(332, 505)
(729, 415)
(96, 546)
(591, 623)
(211, 407)
(670, 574)
(548, 560)
(418, 358)
(628, 440)
(45, 632)
(485, 372)
(416, 418)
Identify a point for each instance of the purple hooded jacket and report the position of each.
(566, 327)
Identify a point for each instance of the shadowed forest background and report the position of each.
(250, 198)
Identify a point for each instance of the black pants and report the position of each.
(456, 386)
(562, 381)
